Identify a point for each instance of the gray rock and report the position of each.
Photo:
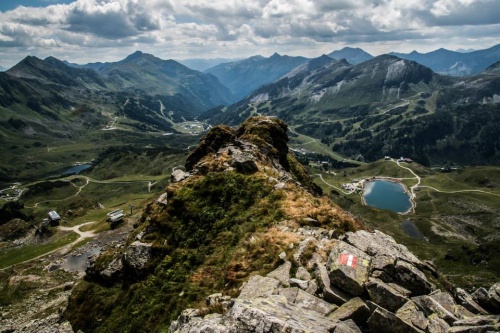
(384, 295)
(383, 320)
(479, 321)
(299, 283)
(488, 299)
(465, 299)
(303, 274)
(280, 186)
(383, 263)
(243, 162)
(310, 302)
(178, 175)
(259, 286)
(289, 293)
(114, 269)
(411, 278)
(348, 268)
(273, 314)
(444, 299)
(136, 256)
(429, 306)
(330, 293)
(282, 274)
(347, 327)
(377, 243)
(410, 313)
(354, 309)
(473, 329)
(351, 325)
(437, 325)
(312, 287)
(282, 255)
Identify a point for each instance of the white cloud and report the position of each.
(245, 27)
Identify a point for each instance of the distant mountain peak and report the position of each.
(275, 55)
(352, 55)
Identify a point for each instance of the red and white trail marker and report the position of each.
(348, 260)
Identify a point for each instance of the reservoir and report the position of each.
(74, 170)
(388, 195)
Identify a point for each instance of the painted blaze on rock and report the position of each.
(348, 268)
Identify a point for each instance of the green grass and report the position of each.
(14, 256)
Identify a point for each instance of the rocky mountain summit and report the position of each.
(368, 284)
(244, 223)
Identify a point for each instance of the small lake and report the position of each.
(388, 195)
(79, 262)
(76, 169)
(411, 229)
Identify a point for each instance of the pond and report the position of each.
(411, 229)
(388, 195)
(74, 170)
(79, 262)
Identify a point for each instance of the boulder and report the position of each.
(136, 256)
(354, 309)
(299, 283)
(312, 287)
(473, 329)
(383, 320)
(282, 274)
(429, 306)
(178, 175)
(303, 274)
(310, 302)
(330, 293)
(411, 278)
(479, 321)
(384, 295)
(466, 300)
(488, 299)
(444, 299)
(243, 162)
(348, 268)
(273, 314)
(377, 243)
(411, 314)
(114, 269)
(259, 286)
(437, 325)
(347, 326)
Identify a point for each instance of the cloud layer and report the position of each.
(231, 28)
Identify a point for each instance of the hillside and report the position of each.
(244, 210)
(384, 106)
(220, 221)
(244, 76)
(47, 103)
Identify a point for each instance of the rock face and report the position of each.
(378, 285)
(137, 256)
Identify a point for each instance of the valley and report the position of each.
(211, 202)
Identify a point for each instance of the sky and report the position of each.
(84, 31)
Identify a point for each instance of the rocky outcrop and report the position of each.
(363, 287)
(136, 256)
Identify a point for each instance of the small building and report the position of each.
(387, 158)
(116, 215)
(54, 218)
(408, 160)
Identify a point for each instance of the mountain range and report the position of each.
(383, 106)
(455, 63)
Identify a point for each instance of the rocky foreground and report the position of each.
(368, 284)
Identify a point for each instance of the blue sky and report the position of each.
(85, 31)
(12, 4)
